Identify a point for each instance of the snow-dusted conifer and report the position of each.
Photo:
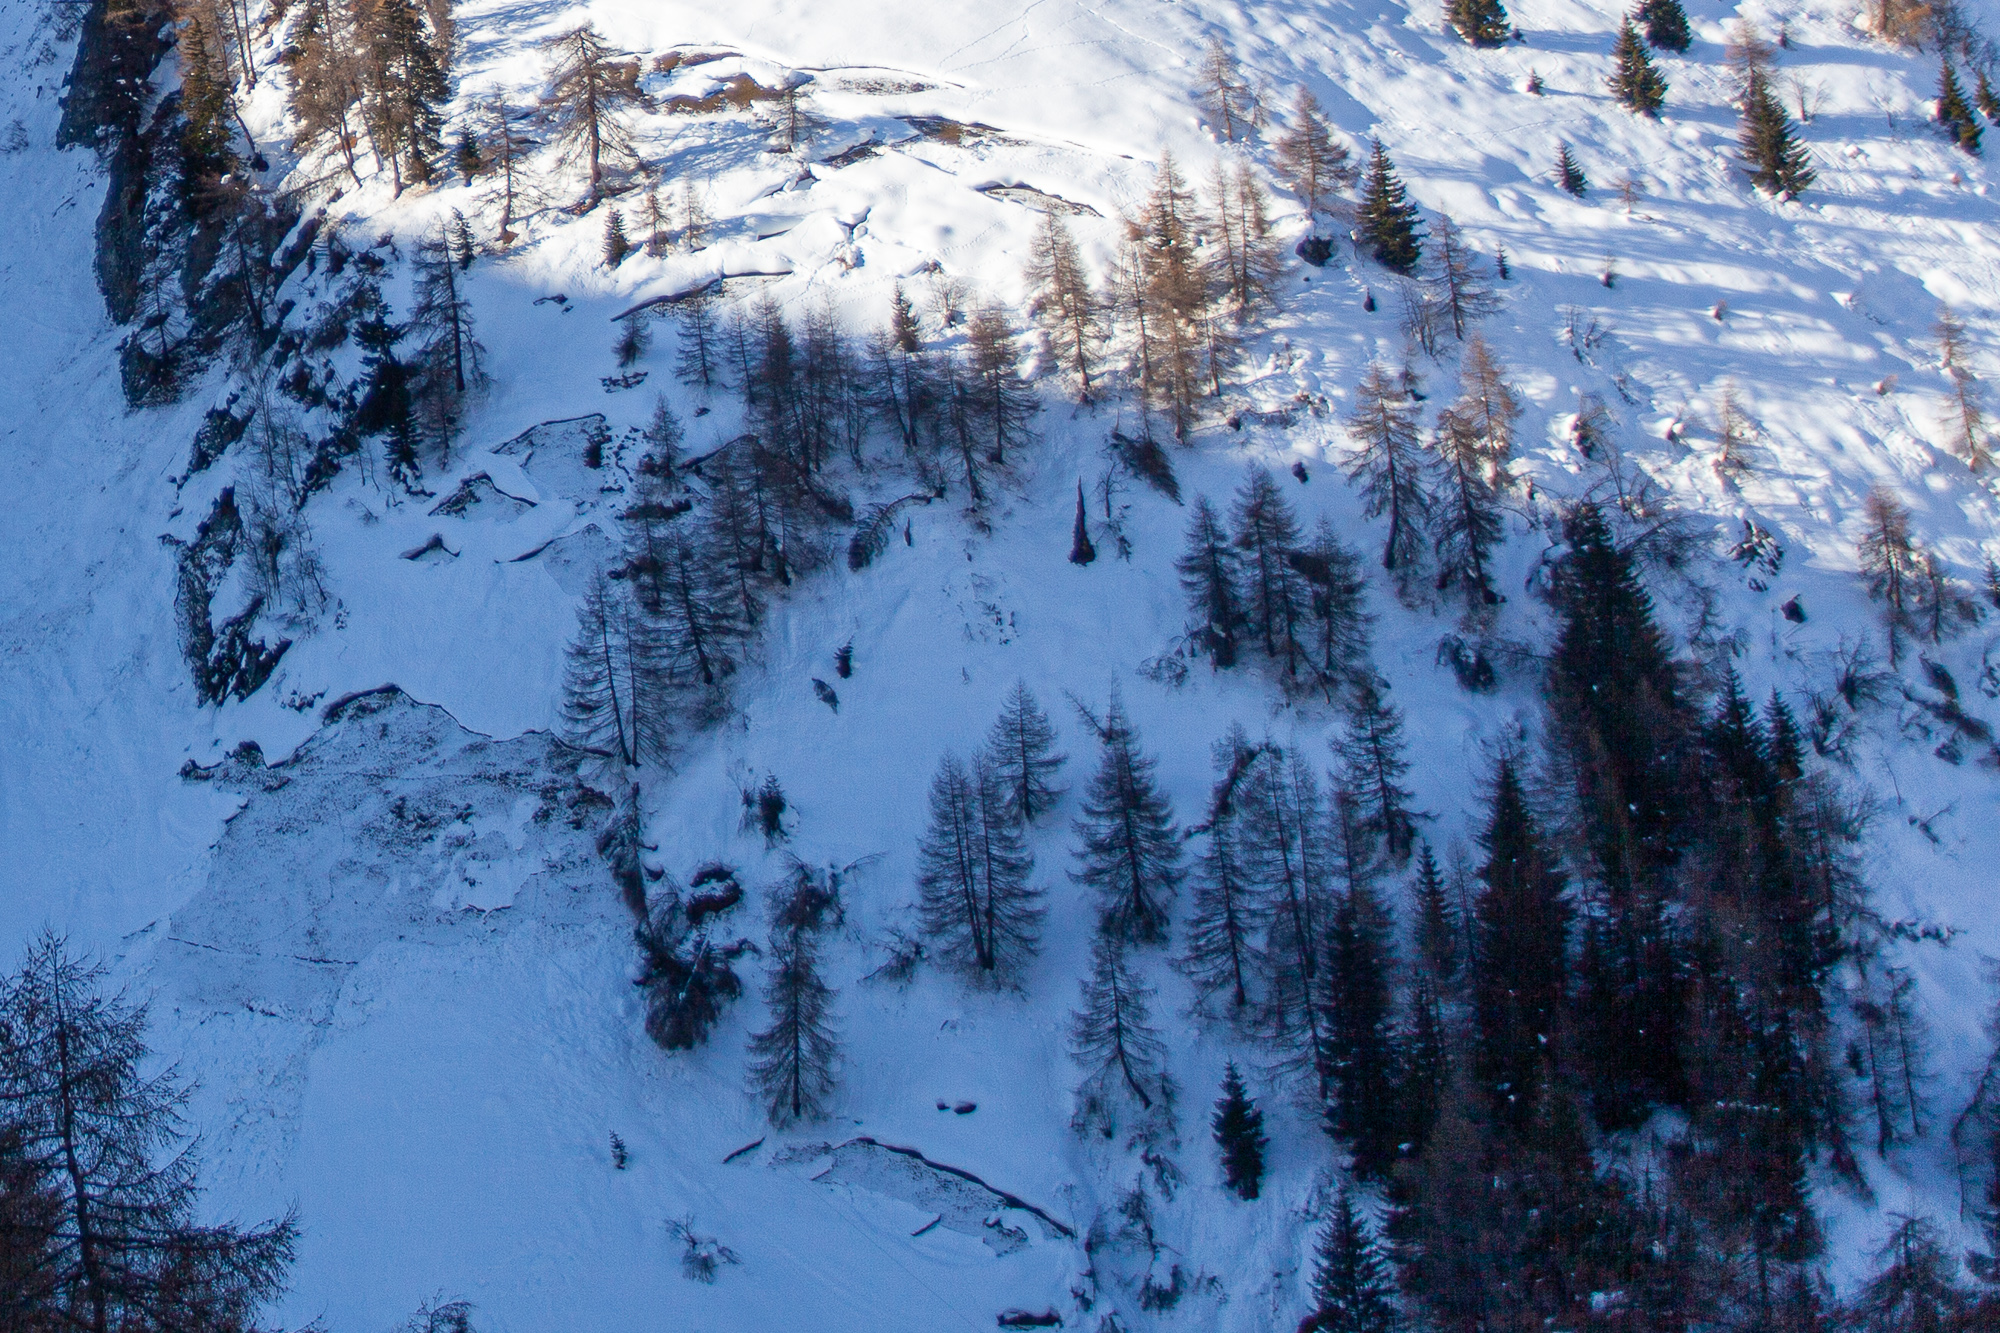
(1569, 175)
(1480, 22)
(1021, 753)
(1953, 115)
(1776, 161)
(1466, 520)
(1275, 597)
(1352, 1290)
(1129, 850)
(792, 1061)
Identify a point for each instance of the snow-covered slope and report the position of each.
(425, 1042)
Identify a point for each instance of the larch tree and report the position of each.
(1970, 439)
(612, 681)
(1210, 580)
(402, 85)
(1112, 1038)
(1489, 405)
(1460, 277)
(1389, 463)
(1891, 563)
(1065, 306)
(1340, 622)
(1245, 256)
(1021, 754)
(1635, 80)
(1465, 523)
(1275, 597)
(1129, 850)
(448, 353)
(104, 1179)
(792, 1060)
(1310, 161)
(1373, 763)
(1165, 300)
(1229, 914)
(504, 145)
(973, 870)
(1387, 218)
(1224, 94)
(1285, 847)
(698, 359)
(1000, 402)
(590, 95)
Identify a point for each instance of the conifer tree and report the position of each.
(1372, 766)
(1352, 1290)
(1982, 95)
(657, 230)
(1245, 256)
(1489, 405)
(1388, 220)
(1081, 552)
(1228, 912)
(1224, 95)
(401, 86)
(1953, 115)
(1519, 970)
(504, 146)
(1970, 439)
(1285, 846)
(448, 352)
(1666, 25)
(694, 617)
(1916, 1289)
(1340, 622)
(1891, 563)
(1777, 162)
(1480, 22)
(1238, 1127)
(1568, 174)
(1068, 311)
(207, 112)
(1275, 599)
(1424, 1074)
(1000, 401)
(1460, 277)
(590, 94)
(1021, 752)
(1167, 297)
(792, 1060)
(1636, 82)
(1113, 1040)
(1310, 162)
(98, 1182)
(1130, 850)
(1209, 580)
(1437, 926)
(698, 360)
(1361, 1055)
(1389, 463)
(692, 233)
(612, 679)
(1466, 525)
(973, 873)
(616, 244)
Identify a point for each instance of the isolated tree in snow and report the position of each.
(590, 94)
(616, 244)
(1956, 118)
(1387, 218)
(1068, 310)
(1970, 439)
(1568, 174)
(504, 144)
(1480, 22)
(1891, 563)
(1129, 851)
(1460, 277)
(1021, 753)
(1352, 1290)
(1489, 405)
(1389, 463)
(1373, 764)
(1275, 597)
(1112, 1039)
(1636, 82)
(1224, 94)
(1209, 580)
(973, 868)
(1666, 25)
(698, 360)
(1309, 160)
(792, 1060)
(1238, 1128)
(1340, 620)
(1228, 914)
(1081, 552)
(101, 1179)
(1775, 159)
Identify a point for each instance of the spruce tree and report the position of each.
(1387, 218)
(1389, 463)
(1360, 1036)
(1275, 600)
(1021, 752)
(1982, 95)
(1228, 913)
(1081, 552)
(1129, 851)
(1424, 1074)
(1956, 118)
(1777, 162)
(792, 1060)
(973, 868)
(1666, 25)
(1637, 83)
(1208, 574)
(1238, 1127)
(616, 245)
(1519, 972)
(1113, 1040)
(1352, 1290)
(1437, 927)
(1480, 22)
(1568, 174)
(1373, 764)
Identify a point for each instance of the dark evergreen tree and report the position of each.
(1437, 926)
(1916, 1289)
(1361, 1055)
(1636, 82)
(1982, 95)
(1275, 597)
(1208, 572)
(1114, 1042)
(1953, 115)
(1021, 752)
(1666, 25)
(1388, 220)
(686, 595)
(973, 870)
(616, 243)
(1352, 1290)
(1424, 1075)
(1481, 22)
(1081, 552)
(1130, 850)
(1519, 970)
(1372, 766)
(402, 84)
(1776, 160)
(1568, 174)
(1238, 1127)
(98, 1180)
(792, 1060)
(1228, 913)
(1390, 465)
(448, 352)
(208, 113)
(1341, 624)
(1285, 846)
(686, 976)
(1466, 525)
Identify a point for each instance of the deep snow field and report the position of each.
(425, 1045)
